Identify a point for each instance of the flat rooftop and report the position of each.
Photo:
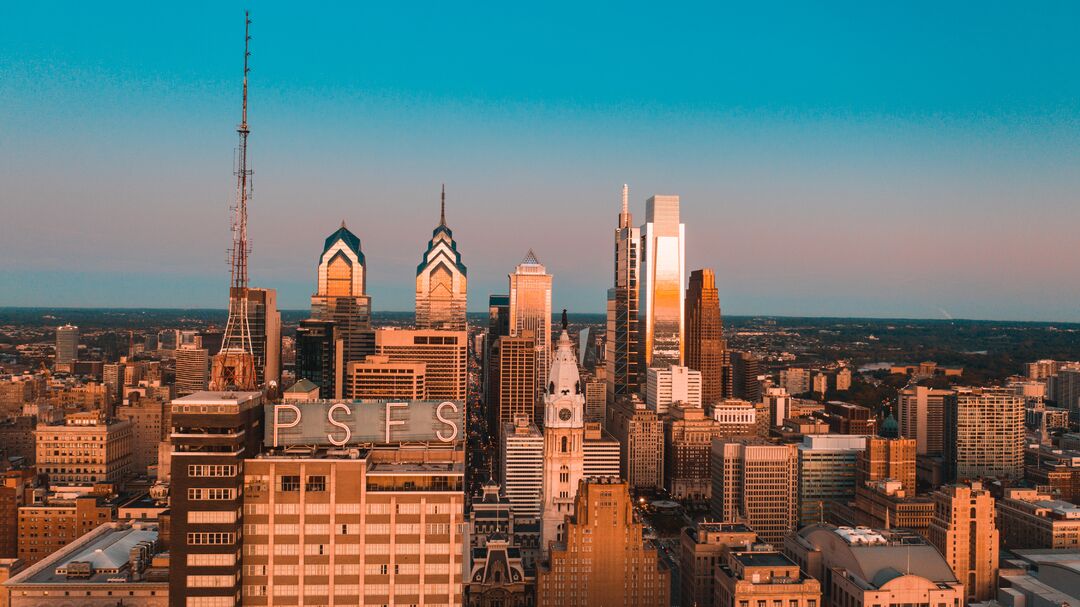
(393, 468)
(107, 550)
(762, 559)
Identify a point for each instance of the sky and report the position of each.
(906, 159)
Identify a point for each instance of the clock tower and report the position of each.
(564, 439)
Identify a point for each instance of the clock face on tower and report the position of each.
(564, 414)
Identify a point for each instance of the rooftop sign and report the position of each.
(360, 422)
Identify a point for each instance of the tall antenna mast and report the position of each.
(234, 366)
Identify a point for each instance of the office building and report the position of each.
(885, 504)
(55, 522)
(441, 284)
(149, 418)
(1028, 518)
(688, 436)
(848, 418)
(874, 566)
(763, 576)
(985, 435)
(672, 384)
(623, 347)
(564, 440)
(115, 564)
(702, 549)
(964, 530)
(377, 377)
(341, 296)
(192, 369)
(1063, 388)
(601, 452)
(705, 345)
(595, 400)
(778, 403)
(888, 459)
(640, 433)
(444, 353)
(320, 357)
(516, 373)
(736, 417)
(84, 449)
(745, 375)
(756, 483)
(663, 268)
(530, 311)
(827, 465)
(920, 412)
(604, 559)
(498, 326)
(522, 467)
(67, 347)
(353, 527)
(212, 434)
(264, 321)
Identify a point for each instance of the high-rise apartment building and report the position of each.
(564, 440)
(67, 347)
(920, 412)
(795, 380)
(84, 449)
(530, 310)
(320, 357)
(212, 434)
(623, 347)
(705, 345)
(441, 285)
(663, 263)
(984, 435)
(756, 483)
(341, 295)
(445, 355)
(888, 459)
(964, 530)
(640, 433)
(379, 527)
(827, 465)
(192, 369)
(673, 384)
(604, 559)
(688, 436)
(377, 377)
(517, 371)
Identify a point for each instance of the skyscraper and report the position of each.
(965, 531)
(705, 345)
(318, 356)
(985, 435)
(342, 295)
(445, 354)
(530, 310)
(67, 346)
(640, 433)
(756, 483)
(623, 354)
(564, 439)
(921, 415)
(887, 459)
(604, 559)
(662, 297)
(441, 281)
(192, 369)
(264, 320)
(517, 378)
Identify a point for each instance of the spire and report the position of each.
(530, 259)
(442, 208)
(343, 224)
(624, 215)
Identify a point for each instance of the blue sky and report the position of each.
(911, 159)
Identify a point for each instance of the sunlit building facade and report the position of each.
(441, 281)
(623, 348)
(663, 263)
(342, 295)
(705, 346)
(530, 310)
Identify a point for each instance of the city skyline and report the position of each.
(929, 178)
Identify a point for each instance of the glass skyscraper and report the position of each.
(663, 254)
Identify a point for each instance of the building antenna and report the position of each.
(442, 208)
(234, 366)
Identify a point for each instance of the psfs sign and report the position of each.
(359, 422)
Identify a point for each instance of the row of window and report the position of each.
(211, 470)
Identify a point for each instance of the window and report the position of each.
(211, 560)
(213, 517)
(288, 483)
(210, 539)
(210, 581)
(211, 493)
(316, 483)
(215, 601)
(211, 470)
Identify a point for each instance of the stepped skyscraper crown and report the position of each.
(441, 284)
